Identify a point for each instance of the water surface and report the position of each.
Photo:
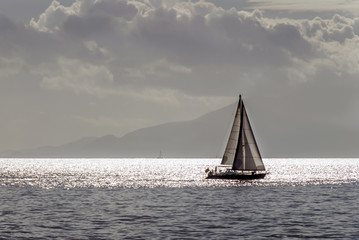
(135, 173)
(171, 199)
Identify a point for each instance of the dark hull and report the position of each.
(237, 176)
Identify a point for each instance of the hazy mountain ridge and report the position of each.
(206, 136)
(201, 137)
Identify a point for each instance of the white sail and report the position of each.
(248, 157)
(242, 150)
(230, 152)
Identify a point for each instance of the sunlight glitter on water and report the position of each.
(313, 171)
(136, 173)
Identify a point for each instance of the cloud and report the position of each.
(182, 45)
(307, 5)
(54, 16)
(173, 55)
(79, 77)
(109, 8)
(84, 16)
(335, 41)
(157, 69)
(337, 29)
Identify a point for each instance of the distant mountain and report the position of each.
(201, 137)
(206, 137)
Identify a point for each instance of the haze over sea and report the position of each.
(171, 199)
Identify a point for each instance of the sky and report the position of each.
(77, 68)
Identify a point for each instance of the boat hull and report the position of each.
(237, 176)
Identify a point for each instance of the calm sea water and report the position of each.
(171, 199)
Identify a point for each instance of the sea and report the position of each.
(172, 199)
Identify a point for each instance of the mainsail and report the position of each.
(242, 150)
(230, 152)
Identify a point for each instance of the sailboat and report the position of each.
(241, 158)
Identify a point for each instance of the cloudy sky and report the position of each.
(76, 68)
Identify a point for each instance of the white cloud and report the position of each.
(79, 77)
(54, 16)
(335, 42)
(308, 5)
(87, 14)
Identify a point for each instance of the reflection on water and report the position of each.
(135, 173)
(171, 199)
